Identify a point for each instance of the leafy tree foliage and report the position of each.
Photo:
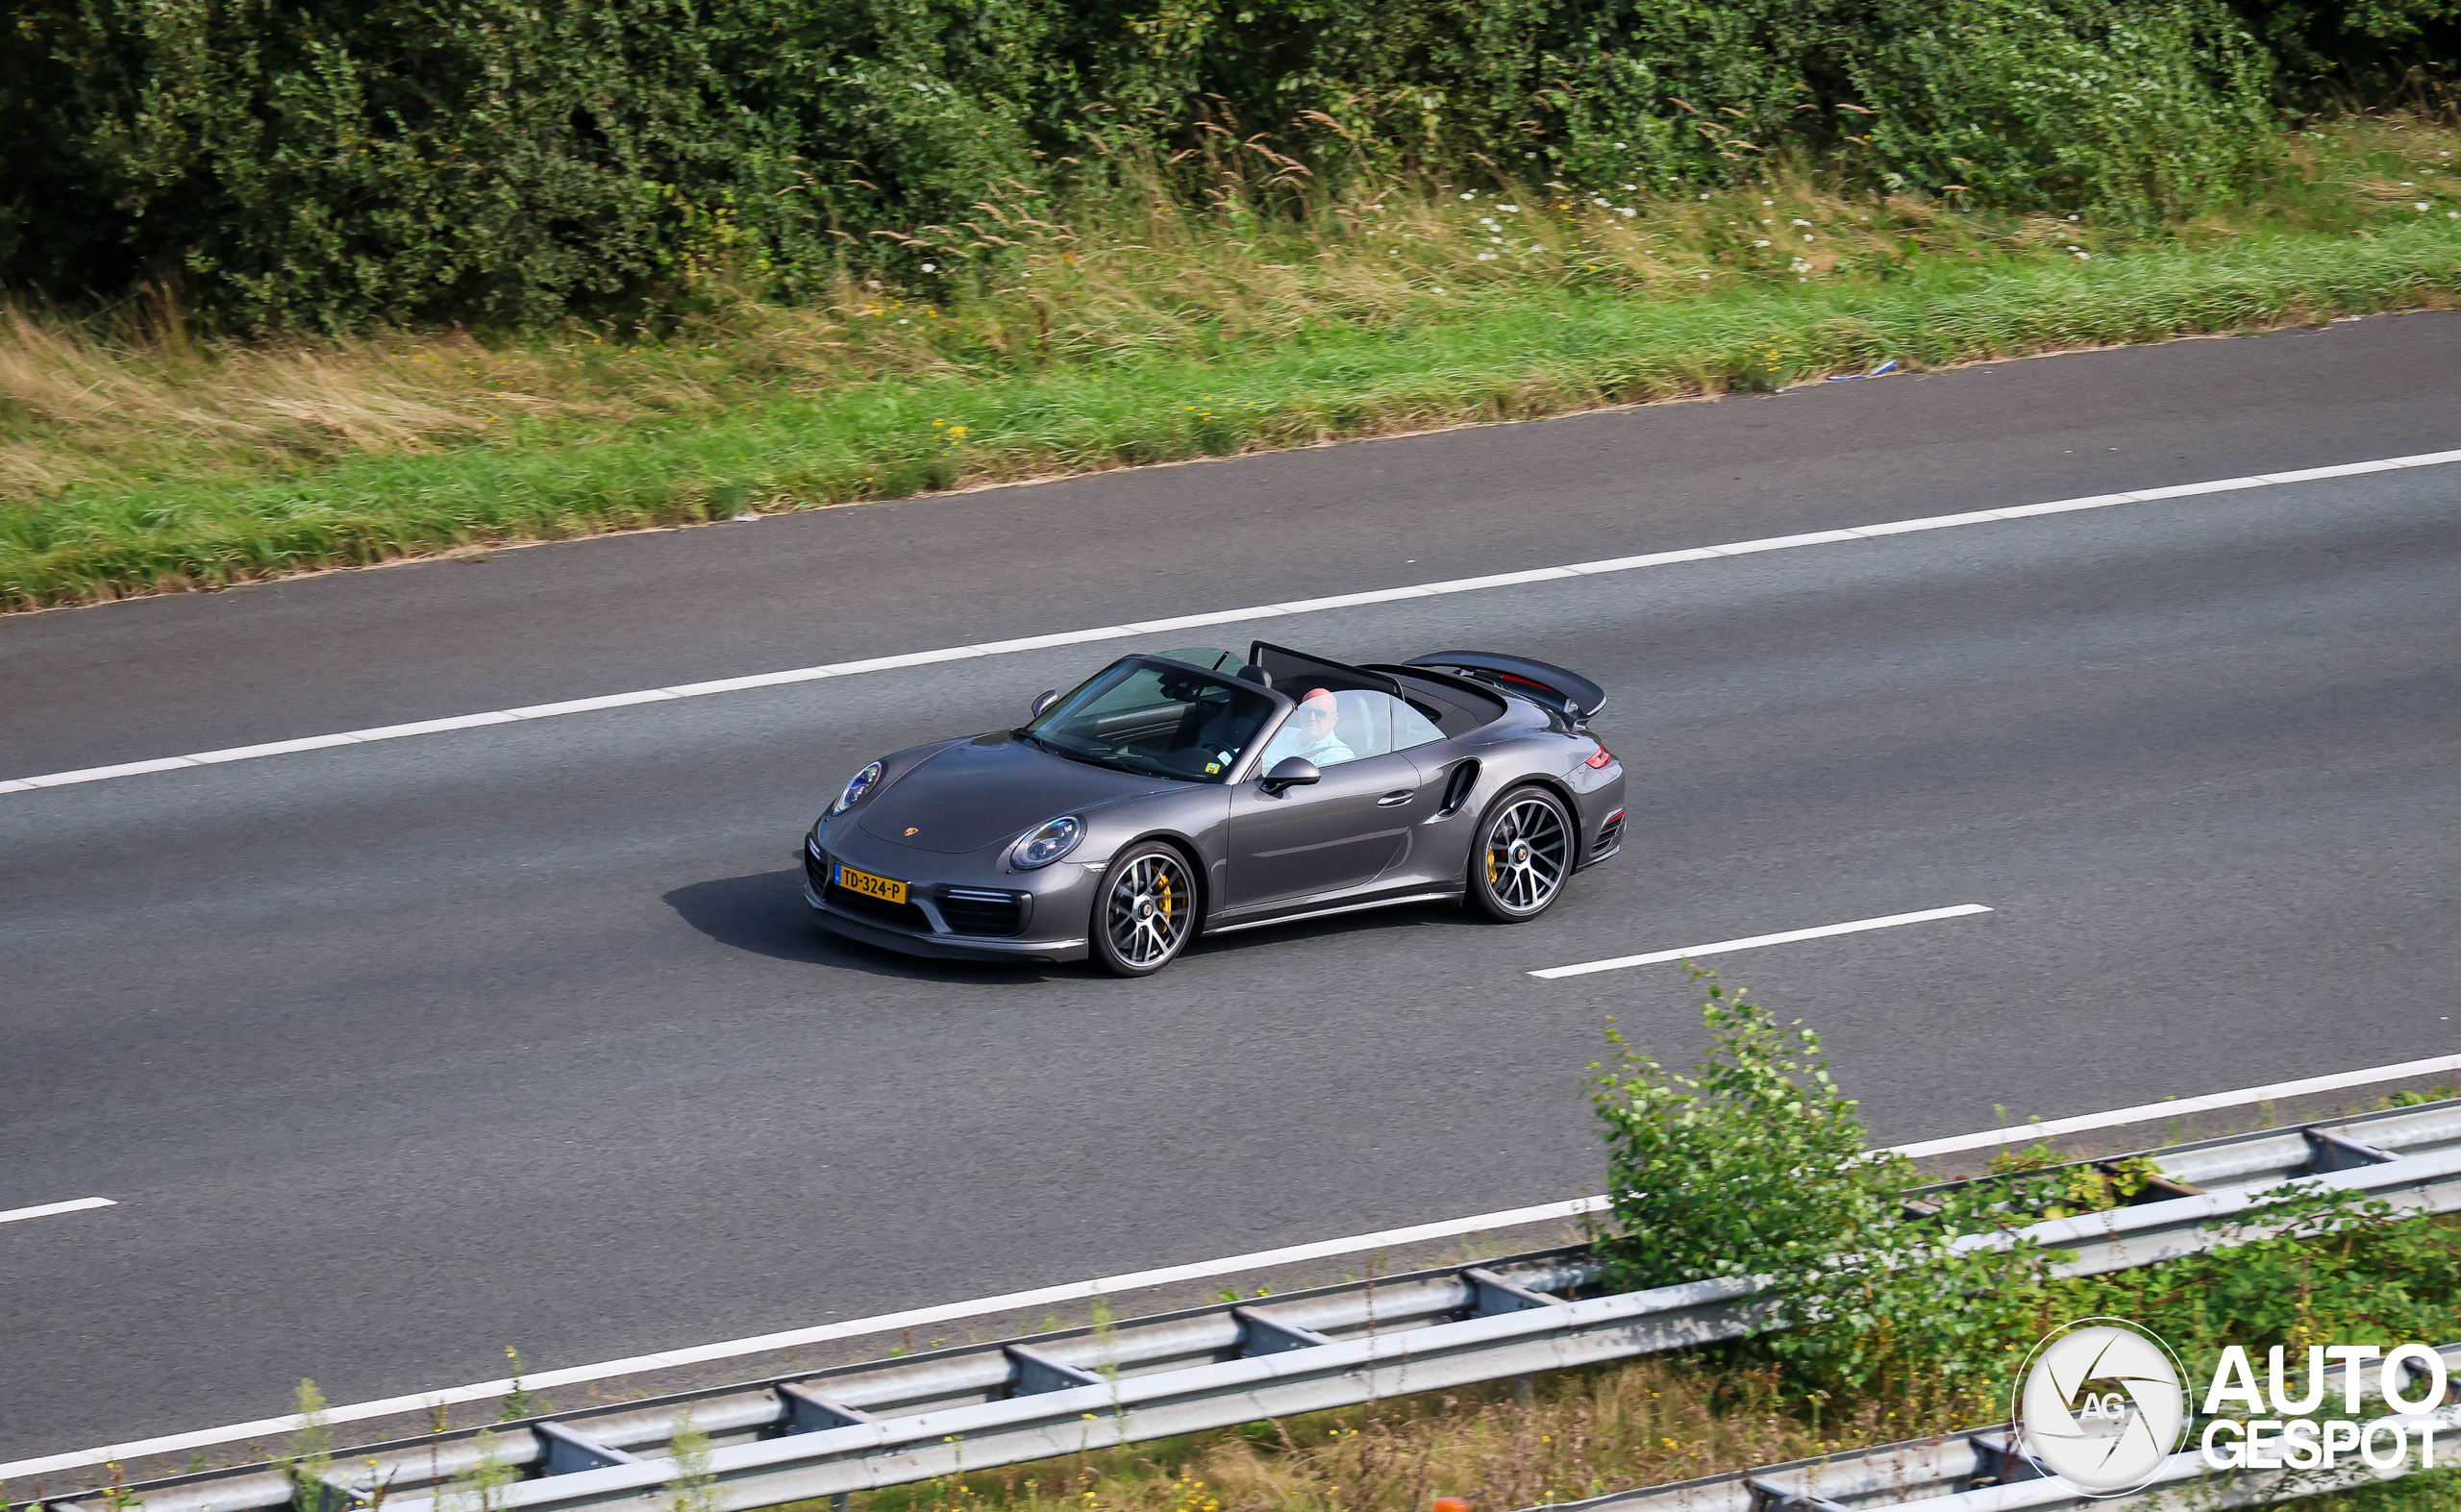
(321, 164)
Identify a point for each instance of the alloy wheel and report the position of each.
(1528, 852)
(1150, 908)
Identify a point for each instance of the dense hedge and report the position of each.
(330, 161)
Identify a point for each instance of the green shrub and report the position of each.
(301, 162)
(1754, 1164)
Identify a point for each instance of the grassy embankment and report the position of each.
(137, 456)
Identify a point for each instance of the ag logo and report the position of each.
(2100, 1406)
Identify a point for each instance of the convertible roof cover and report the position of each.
(1295, 672)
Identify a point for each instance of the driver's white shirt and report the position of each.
(1327, 749)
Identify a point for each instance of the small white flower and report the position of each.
(2407, 184)
(1498, 241)
(2424, 205)
(1762, 242)
(1807, 235)
(1800, 221)
(1619, 145)
(930, 267)
(2071, 217)
(1486, 221)
(1627, 212)
(1768, 202)
(1469, 196)
(1705, 275)
(1510, 209)
(2452, 214)
(1437, 292)
(901, 322)
(1632, 188)
(2083, 255)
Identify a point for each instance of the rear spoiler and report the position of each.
(1576, 695)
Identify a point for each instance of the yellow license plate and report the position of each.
(871, 887)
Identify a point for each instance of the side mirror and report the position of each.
(1042, 702)
(1291, 772)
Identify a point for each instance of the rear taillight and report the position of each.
(1601, 757)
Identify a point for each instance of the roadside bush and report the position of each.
(303, 164)
(1754, 1164)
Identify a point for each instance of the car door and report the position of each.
(1337, 834)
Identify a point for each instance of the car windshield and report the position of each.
(1169, 721)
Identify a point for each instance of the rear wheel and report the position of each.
(1146, 912)
(1523, 854)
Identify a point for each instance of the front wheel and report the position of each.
(1146, 912)
(1523, 854)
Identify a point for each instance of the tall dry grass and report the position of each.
(1644, 1424)
(139, 455)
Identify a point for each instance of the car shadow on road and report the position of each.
(1368, 923)
(765, 914)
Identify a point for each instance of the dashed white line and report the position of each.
(46, 1209)
(1755, 941)
(1344, 601)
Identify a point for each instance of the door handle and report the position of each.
(1399, 795)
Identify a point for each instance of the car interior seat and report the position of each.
(1359, 722)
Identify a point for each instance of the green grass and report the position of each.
(157, 460)
(888, 439)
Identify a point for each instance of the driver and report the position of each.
(1310, 731)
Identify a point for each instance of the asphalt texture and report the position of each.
(396, 1054)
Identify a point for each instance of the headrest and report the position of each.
(1252, 673)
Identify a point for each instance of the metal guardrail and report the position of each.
(1979, 1470)
(897, 1421)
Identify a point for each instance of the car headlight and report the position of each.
(1048, 843)
(862, 783)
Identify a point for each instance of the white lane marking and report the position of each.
(916, 1317)
(1344, 601)
(2178, 1108)
(1079, 1290)
(1755, 941)
(76, 1205)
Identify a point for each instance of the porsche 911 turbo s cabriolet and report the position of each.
(1197, 792)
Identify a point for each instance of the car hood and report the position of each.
(991, 788)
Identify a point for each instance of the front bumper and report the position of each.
(949, 920)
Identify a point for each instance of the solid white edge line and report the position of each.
(1755, 941)
(1040, 1296)
(46, 1209)
(1504, 580)
(480, 1391)
(2175, 1107)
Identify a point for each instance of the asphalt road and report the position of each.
(398, 1054)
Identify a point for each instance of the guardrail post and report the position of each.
(2001, 1463)
(807, 1411)
(1262, 1334)
(1039, 1373)
(568, 1451)
(1491, 1294)
(1767, 1495)
(2329, 1152)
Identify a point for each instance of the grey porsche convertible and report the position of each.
(1197, 792)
